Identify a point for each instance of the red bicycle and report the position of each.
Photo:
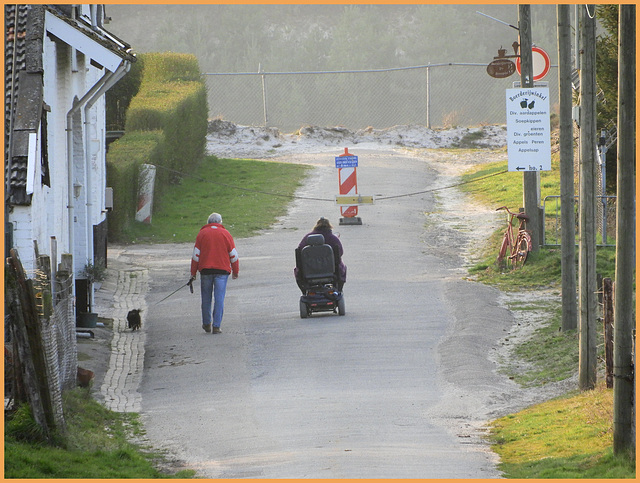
(515, 247)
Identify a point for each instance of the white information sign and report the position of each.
(528, 129)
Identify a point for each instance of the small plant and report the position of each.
(470, 140)
(95, 272)
(451, 120)
(22, 426)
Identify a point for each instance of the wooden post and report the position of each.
(531, 179)
(587, 269)
(44, 307)
(64, 277)
(23, 315)
(607, 318)
(567, 190)
(44, 300)
(623, 385)
(66, 262)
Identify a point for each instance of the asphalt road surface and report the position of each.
(382, 392)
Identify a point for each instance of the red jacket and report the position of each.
(214, 249)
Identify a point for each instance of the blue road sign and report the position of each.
(346, 161)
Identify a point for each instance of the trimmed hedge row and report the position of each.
(123, 165)
(119, 96)
(166, 125)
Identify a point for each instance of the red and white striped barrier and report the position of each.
(347, 174)
(348, 186)
(146, 185)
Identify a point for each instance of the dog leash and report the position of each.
(189, 283)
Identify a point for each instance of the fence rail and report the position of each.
(435, 95)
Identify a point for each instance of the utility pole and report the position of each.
(567, 189)
(587, 288)
(623, 380)
(530, 179)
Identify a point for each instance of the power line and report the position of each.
(441, 188)
(363, 71)
(332, 200)
(269, 193)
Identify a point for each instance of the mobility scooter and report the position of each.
(318, 278)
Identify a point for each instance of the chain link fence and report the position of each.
(434, 95)
(605, 220)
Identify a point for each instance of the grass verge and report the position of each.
(547, 355)
(96, 444)
(250, 195)
(568, 437)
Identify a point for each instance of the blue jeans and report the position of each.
(213, 286)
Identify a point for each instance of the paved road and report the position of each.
(366, 395)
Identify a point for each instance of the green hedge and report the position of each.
(178, 109)
(119, 96)
(123, 165)
(170, 67)
(166, 125)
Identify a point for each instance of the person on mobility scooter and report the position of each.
(320, 272)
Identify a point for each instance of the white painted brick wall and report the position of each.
(48, 214)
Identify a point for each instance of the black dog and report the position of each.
(134, 319)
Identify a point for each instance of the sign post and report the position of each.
(530, 179)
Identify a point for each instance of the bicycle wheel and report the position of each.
(523, 247)
(504, 248)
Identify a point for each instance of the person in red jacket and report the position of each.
(215, 257)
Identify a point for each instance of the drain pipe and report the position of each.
(69, 129)
(120, 72)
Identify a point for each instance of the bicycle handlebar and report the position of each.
(506, 209)
(520, 216)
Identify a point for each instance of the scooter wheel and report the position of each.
(341, 308)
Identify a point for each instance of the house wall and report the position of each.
(48, 214)
(97, 157)
(22, 236)
(90, 171)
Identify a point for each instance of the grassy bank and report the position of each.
(568, 437)
(250, 195)
(96, 444)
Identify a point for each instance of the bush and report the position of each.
(166, 125)
(22, 426)
(119, 96)
(170, 67)
(180, 111)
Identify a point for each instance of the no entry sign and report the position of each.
(541, 63)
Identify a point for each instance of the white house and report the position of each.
(59, 62)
